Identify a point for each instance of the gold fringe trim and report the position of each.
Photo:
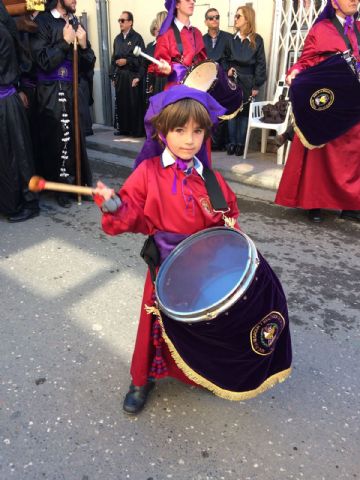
(229, 222)
(152, 311)
(302, 137)
(220, 392)
(231, 115)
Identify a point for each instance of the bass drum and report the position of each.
(206, 274)
(208, 76)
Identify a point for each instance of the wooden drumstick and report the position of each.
(37, 184)
(137, 52)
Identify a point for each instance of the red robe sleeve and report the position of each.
(130, 215)
(323, 39)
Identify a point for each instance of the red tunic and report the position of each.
(327, 177)
(193, 48)
(149, 206)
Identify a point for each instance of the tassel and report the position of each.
(158, 367)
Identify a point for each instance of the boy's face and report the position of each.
(186, 141)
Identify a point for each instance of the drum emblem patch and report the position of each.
(265, 334)
(322, 99)
(205, 203)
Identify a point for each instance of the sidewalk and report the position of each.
(258, 176)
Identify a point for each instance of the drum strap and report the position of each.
(179, 42)
(346, 39)
(216, 195)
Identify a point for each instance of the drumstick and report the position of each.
(37, 184)
(137, 51)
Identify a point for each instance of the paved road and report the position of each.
(70, 298)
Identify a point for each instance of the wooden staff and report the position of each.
(37, 184)
(76, 116)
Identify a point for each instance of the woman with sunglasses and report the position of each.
(248, 67)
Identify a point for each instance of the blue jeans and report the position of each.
(237, 129)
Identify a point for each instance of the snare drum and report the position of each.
(326, 100)
(206, 274)
(208, 76)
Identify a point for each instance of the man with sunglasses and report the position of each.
(126, 72)
(217, 48)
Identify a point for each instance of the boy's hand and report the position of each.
(105, 192)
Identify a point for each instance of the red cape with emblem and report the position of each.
(327, 177)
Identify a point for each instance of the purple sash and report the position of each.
(63, 73)
(166, 242)
(178, 73)
(7, 91)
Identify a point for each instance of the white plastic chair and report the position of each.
(255, 113)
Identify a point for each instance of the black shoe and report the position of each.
(231, 149)
(117, 133)
(24, 214)
(239, 150)
(351, 215)
(315, 215)
(136, 398)
(63, 200)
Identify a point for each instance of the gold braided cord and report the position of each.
(231, 115)
(220, 392)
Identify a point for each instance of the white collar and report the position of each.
(341, 20)
(180, 25)
(56, 14)
(125, 34)
(237, 34)
(167, 160)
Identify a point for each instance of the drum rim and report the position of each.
(194, 67)
(214, 310)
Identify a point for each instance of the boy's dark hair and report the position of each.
(179, 113)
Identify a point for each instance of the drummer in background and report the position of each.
(177, 33)
(166, 197)
(326, 177)
(248, 67)
(216, 43)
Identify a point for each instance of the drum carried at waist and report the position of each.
(326, 100)
(208, 76)
(206, 274)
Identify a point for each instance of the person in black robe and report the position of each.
(52, 49)
(127, 72)
(247, 65)
(16, 157)
(217, 48)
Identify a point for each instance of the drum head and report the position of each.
(201, 76)
(205, 274)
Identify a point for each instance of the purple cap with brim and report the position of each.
(151, 147)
